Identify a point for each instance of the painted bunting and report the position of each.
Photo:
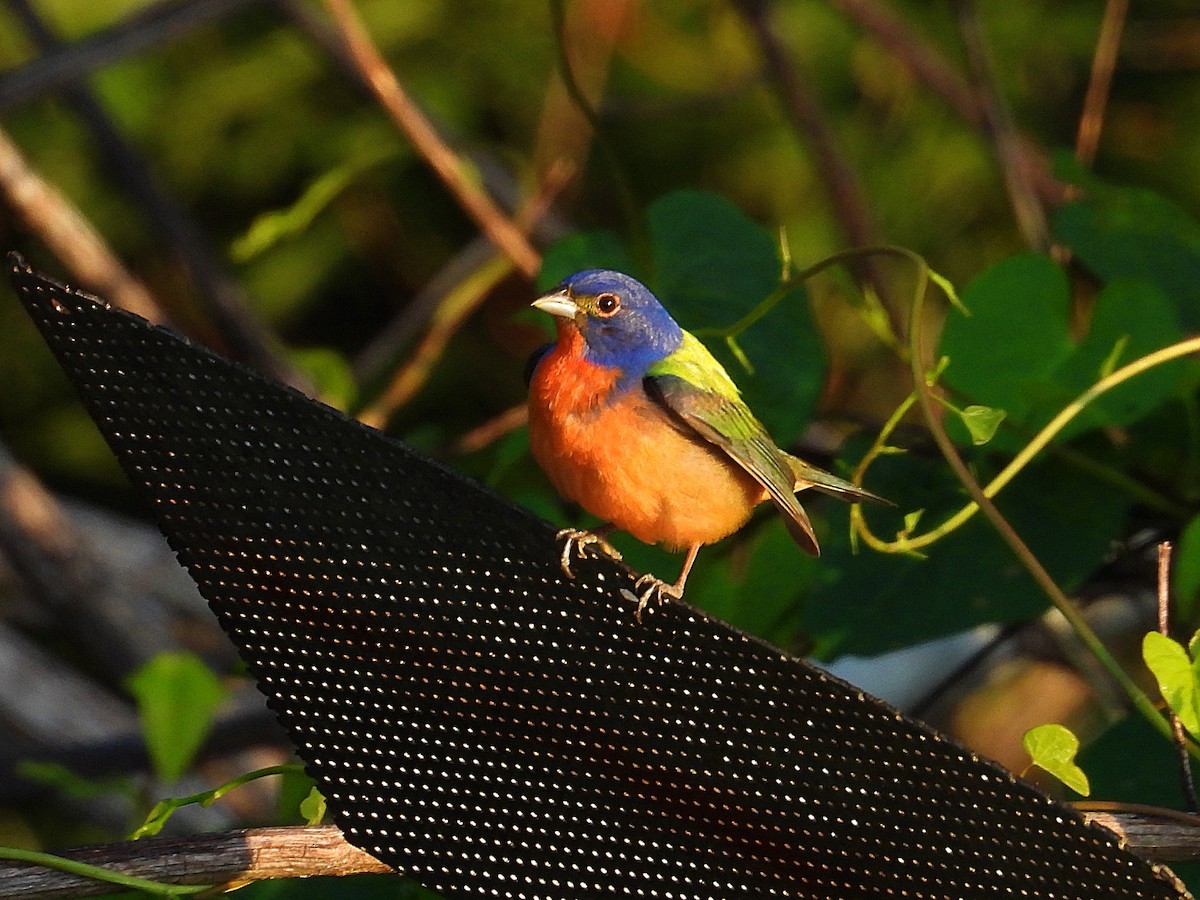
(631, 417)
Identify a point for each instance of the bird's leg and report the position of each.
(583, 544)
(654, 589)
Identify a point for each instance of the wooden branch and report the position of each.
(500, 229)
(1165, 838)
(54, 219)
(230, 859)
(235, 858)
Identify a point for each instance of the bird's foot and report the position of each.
(654, 590)
(584, 544)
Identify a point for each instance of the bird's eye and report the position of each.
(608, 304)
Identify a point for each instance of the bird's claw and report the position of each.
(584, 544)
(654, 590)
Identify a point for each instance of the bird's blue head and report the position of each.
(623, 325)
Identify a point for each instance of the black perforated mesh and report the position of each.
(496, 730)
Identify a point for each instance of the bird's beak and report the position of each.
(557, 304)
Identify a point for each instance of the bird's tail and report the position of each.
(809, 476)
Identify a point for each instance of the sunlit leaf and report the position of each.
(1052, 748)
(1005, 353)
(272, 227)
(1173, 671)
(312, 808)
(981, 422)
(177, 696)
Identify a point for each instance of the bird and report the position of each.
(631, 417)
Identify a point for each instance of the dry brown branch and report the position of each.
(230, 859)
(1104, 63)
(493, 429)
(451, 311)
(72, 239)
(236, 858)
(447, 302)
(500, 229)
(1161, 836)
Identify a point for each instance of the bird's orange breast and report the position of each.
(622, 458)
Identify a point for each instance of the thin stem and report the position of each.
(1104, 63)
(71, 237)
(1028, 560)
(1029, 451)
(1187, 779)
(96, 873)
(492, 220)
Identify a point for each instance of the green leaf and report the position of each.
(1065, 518)
(312, 807)
(1176, 678)
(1005, 353)
(177, 696)
(584, 250)
(1130, 320)
(1132, 233)
(713, 265)
(981, 422)
(272, 227)
(1015, 352)
(1052, 748)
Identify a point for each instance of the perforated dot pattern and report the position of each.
(496, 730)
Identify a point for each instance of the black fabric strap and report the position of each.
(497, 730)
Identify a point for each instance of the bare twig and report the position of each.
(1030, 216)
(227, 860)
(1186, 776)
(155, 24)
(493, 429)
(245, 337)
(462, 300)
(72, 239)
(236, 858)
(373, 361)
(804, 110)
(1104, 63)
(499, 228)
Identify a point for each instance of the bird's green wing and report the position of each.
(694, 388)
